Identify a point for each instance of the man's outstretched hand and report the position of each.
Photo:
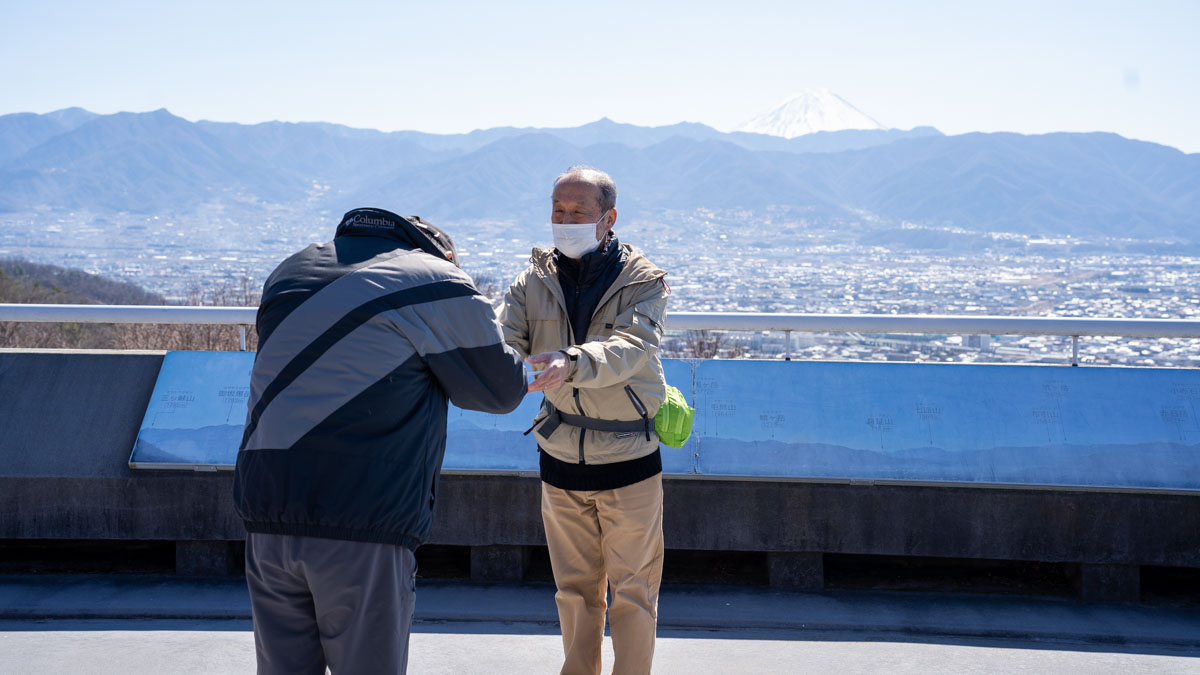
(556, 370)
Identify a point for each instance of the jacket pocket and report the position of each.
(537, 419)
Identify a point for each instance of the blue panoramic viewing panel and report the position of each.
(1021, 425)
(1039, 425)
(196, 413)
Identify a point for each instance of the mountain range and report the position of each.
(1081, 184)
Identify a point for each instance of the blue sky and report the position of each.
(1032, 67)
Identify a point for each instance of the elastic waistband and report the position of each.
(568, 476)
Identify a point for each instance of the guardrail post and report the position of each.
(787, 345)
(1074, 350)
(242, 337)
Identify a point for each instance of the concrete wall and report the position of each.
(69, 420)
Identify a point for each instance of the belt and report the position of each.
(557, 417)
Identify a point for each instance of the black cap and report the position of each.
(411, 230)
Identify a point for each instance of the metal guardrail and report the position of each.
(736, 321)
(128, 314)
(932, 324)
(234, 316)
(741, 321)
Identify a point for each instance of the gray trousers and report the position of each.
(316, 602)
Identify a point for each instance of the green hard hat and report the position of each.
(674, 419)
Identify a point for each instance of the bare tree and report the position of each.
(238, 292)
(703, 344)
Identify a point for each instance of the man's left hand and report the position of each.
(556, 371)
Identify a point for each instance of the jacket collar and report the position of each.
(637, 269)
(588, 269)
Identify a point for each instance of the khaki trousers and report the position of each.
(602, 538)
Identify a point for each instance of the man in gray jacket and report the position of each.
(362, 340)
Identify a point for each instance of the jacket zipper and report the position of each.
(640, 408)
(578, 405)
(571, 341)
(582, 432)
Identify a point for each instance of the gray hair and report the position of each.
(587, 174)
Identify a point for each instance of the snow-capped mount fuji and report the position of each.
(808, 112)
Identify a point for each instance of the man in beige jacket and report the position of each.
(590, 312)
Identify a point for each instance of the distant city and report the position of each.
(813, 207)
(725, 261)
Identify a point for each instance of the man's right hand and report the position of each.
(557, 367)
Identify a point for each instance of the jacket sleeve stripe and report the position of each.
(392, 271)
(440, 290)
(351, 366)
(306, 321)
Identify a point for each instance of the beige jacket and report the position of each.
(621, 350)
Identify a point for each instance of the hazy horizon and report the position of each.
(1024, 67)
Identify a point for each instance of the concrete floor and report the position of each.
(126, 624)
(137, 647)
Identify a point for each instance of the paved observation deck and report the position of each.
(1088, 471)
(130, 624)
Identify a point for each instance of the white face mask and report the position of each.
(576, 240)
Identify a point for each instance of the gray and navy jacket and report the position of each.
(362, 340)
